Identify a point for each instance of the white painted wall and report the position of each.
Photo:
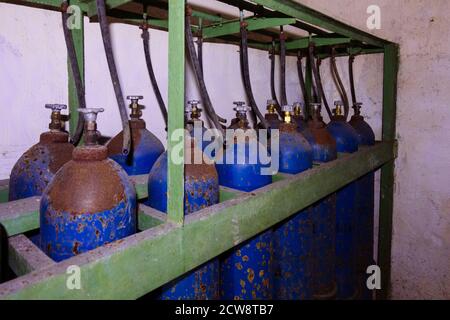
(33, 72)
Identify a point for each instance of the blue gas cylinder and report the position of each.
(201, 190)
(37, 166)
(346, 236)
(246, 270)
(90, 201)
(292, 243)
(145, 146)
(323, 213)
(364, 206)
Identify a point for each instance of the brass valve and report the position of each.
(298, 106)
(271, 106)
(338, 108)
(287, 111)
(193, 110)
(135, 107)
(56, 117)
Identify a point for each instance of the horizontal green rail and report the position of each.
(160, 254)
(306, 14)
(233, 27)
(22, 216)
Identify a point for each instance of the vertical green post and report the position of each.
(78, 39)
(175, 192)
(387, 171)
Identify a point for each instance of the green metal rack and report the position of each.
(170, 245)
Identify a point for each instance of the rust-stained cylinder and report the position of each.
(145, 146)
(38, 165)
(90, 201)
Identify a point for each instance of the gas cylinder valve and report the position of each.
(357, 108)
(287, 111)
(297, 106)
(90, 124)
(56, 117)
(338, 108)
(193, 110)
(241, 109)
(135, 107)
(271, 106)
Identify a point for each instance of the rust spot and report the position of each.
(251, 275)
(245, 258)
(75, 247)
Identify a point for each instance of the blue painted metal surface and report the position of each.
(71, 223)
(365, 208)
(323, 215)
(90, 201)
(246, 271)
(292, 246)
(346, 237)
(146, 149)
(201, 189)
(37, 166)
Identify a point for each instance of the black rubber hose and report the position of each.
(351, 59)
(198, 75)
(318, 80)
(246, 76)
(283, 96)
(104, 27)
(315, 96)
(76, 73)
(340, 85)
(146, 42)
(301, 79)
(200, 52)
(272, 74)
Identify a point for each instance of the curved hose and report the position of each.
(283, 98)
(198, 74)
(246, 76)
(301, 79)
(200, 51)
(146, 42)
(351, 59)
(318, 80)
(75, 67)
(339, 84)
(272, 75)
(104, 27)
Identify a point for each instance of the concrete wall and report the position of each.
(33, 72)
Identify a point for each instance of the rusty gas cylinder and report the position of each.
(37, 166)
(145, 146)
(246, 270)
(364, 206)
(271, 116)
(292, 238)
(201, 190)
(323, 213)
(90, 201)
(347, 141)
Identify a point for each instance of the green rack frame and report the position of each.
(170, 245)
